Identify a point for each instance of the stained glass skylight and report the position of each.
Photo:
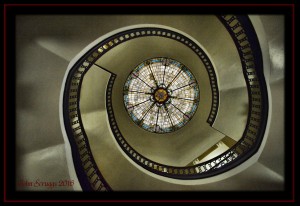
(161, 95)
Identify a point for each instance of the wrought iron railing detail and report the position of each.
(253, 133)
(86, 168)
(247, 44)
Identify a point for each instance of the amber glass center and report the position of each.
(161, 95)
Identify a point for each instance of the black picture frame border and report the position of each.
(11, 195)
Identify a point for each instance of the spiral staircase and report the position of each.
(231, 142)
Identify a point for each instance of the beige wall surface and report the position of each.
(46, 44)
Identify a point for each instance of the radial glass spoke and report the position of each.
(158, 71)
(184, 99)
(164, 121)
(140, 92)
(146, 111)
(140, 110)
(142, 102)
(175, 115)
(150, 118)
(153, 76)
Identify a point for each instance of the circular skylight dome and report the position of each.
(161, 95)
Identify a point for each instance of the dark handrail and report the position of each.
(244, 36)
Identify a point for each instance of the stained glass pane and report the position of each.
(161, 95)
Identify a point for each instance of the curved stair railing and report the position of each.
(244, 36)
